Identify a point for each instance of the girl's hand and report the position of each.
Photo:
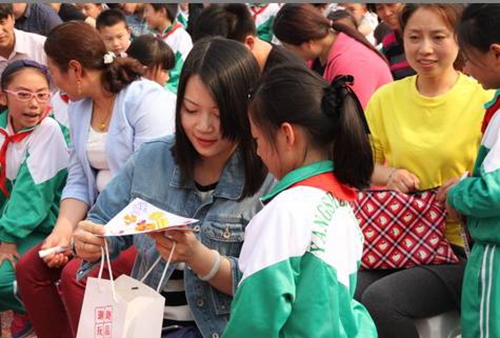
(403, 181)
(187, 245)
(57, 238)
(452, 215)
(443, 190)
(89, 239)
(8, 251)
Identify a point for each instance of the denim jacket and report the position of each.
(152, 175)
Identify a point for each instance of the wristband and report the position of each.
(215, 268)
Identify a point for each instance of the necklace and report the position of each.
(103, 122)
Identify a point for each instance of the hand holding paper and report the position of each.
(142, 217)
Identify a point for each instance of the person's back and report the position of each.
(36, 18)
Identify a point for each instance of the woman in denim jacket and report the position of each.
(209, 171)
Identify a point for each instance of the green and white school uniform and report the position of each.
(180, 41)
(478, 198)
(33, 172)
(299, 263)
(263, 15)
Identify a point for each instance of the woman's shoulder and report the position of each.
(474, 88)
(140, 87)
(158, 147)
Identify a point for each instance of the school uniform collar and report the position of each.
(6, 124)
(306, 174)
(492, 107)
(231, 182)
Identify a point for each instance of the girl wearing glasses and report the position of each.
(112, 111)
(34, 159)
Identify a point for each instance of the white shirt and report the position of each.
(26, 46)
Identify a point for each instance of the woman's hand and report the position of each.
(88, 240)
(8, 251)
(187, 245)
(442, 192)
(403, 181)
(58, 237)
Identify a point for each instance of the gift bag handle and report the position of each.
(105, 256)
(164, 270)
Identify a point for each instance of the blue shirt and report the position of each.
(152, 175)
(143, 110)
(38, 18)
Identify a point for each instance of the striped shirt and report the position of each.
(393, 49)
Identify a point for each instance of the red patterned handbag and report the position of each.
(402, 230)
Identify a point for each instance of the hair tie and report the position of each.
(109, 57)
(333, 97)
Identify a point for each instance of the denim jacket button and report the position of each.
(215, 335)
(200, 302)
(227, 233)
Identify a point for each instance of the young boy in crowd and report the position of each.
(112, 26)
(161, 19)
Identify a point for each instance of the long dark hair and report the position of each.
(76, 40)
(298, 23)
(329, 113)
(228, 70)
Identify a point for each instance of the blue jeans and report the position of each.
(185, 332)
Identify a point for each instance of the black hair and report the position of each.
(343, 16)
(19, 65)
(232, 21)
(330, 114)
(297, 23)
(109, 18)
(228, 70)
(479, 27)
(6, 10)
(87, 47)
(152, 52)
(170, 9)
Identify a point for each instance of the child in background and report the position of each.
(263, 14)
(161, 19)
(33, 158)
(155, 55)
(477, 197)
(114, 30)
(302, 251)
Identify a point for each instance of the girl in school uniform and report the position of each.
(33, 167)
(302, 251)
(478, 197)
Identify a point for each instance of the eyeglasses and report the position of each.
(24, 95)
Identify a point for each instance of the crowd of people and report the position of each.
(263, 122)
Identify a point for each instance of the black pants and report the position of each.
(394, 298)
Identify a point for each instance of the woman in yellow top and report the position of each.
(425, 131)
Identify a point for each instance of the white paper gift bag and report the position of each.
(123, 308)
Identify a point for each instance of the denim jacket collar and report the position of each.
(231, 182)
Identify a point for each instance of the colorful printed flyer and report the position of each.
(141, 217)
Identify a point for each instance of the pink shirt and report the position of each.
(350, 57)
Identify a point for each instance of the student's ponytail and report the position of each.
(352, 153)
(75, 40)
(330, 114)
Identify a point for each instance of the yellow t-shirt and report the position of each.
(436, 138)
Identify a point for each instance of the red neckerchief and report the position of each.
(16, 138)
(257, 11)
(490, 112)
(64, 97)
(329, 183)
(176, 26)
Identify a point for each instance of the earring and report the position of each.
(79, 83)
